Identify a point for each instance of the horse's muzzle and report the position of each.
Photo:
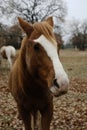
(55, 83)
(60, 87)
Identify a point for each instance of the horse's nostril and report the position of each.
(55, 83)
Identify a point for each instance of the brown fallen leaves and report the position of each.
(70, 110)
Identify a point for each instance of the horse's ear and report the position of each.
(50, 21)
(26, 27)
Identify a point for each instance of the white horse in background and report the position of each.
(8, 52)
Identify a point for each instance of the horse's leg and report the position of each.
(10, 62)
(26, 117)
(47, 117)
(36, 121)
(1, 60)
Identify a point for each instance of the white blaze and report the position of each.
(51, 50)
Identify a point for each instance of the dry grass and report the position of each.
(70, 110)
(75, 63)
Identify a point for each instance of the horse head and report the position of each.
(41, 57)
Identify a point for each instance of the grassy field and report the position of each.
(70, 110)
(75, 63)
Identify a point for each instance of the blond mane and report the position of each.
(45, 29)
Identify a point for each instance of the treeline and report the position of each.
(10, 35)
(79, 35)
(13, 36)
(32, 11)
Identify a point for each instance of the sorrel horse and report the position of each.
(8, 52)
(37, 73)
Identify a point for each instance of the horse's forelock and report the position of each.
(43, 28)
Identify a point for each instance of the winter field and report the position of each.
(70, 110)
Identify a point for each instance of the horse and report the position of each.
(37, 74)
(8, 52)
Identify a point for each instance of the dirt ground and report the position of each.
(70, 110)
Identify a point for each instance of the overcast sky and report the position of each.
(77, 9)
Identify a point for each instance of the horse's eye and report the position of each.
(37, 47)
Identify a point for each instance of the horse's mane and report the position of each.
(45, 29)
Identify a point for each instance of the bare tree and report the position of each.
(34, 10)
(79, 34)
